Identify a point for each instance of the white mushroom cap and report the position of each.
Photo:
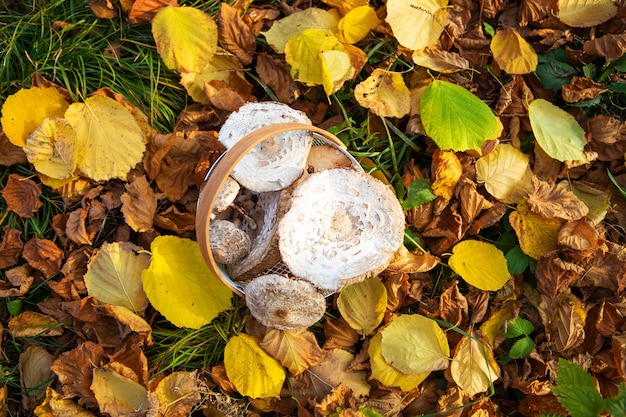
(276, 162)
(343, 226)
(227, 195)
(283, 303)
(228, 243)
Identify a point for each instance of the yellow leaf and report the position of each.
(303, 51)
(585, 13)
(344, 6)
(251, 370)
(362, 305)
(537, 235)
(447, 171)
(108, 137)
(336, 70)
(481, 264)
(492, 326)
(473, 367)
(506, 173)
(180, 286)
(297, 350)
(185, 37)
(118, 395)
(387, 374)
(114, 276)
(219, 68)
(130, 319)
(512, 53)
(416, 23)
(333, 370)
(178, 393)
(286, 28)
(355, 25)
(23, 111)
(51, 148)
(415, 345)
(55, 405)
(384, 93)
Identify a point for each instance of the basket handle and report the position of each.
(223, 168)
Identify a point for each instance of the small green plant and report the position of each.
(576, 390)
(520, 330)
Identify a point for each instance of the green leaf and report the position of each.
(14, 307)
(368, 412)
(553, 70)
(618, 87)
(456, 119)
(518, 327)
(580, 401)
(516, 260)
(573, 375)
(616, 406)
(614, 181)
(418, 193)
(556, 131)
(522, 348)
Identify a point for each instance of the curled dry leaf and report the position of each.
(178, 393)
(57, 405)
(275, 73)
(143, 11)
(76, 228)
(31, 324)
(552, 200)
(334, 370)
(234, 35)
(35, 375)
(440, 60)
(139, 204)
(610, 46)
(296, 350)
(19, 281)
(44, 255)
(10, 247)
(564, 320)
(9, 153)
(555, 276)
(581, 88)
(21, 195)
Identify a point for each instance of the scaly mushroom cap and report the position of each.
(227, 195)
(283, 303)
(276, 162)
(228, 243)
(343, 226)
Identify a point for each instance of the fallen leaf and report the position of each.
(139, 204)
(114, 275)
(52, 148)
(76, 228)
(585, 13)
(143, 11)
(128, 318)
(275, 73)
(176, 176)
(387, 374)
(55, 405)
(579, 235)
(472, 203)
(481, 264)
(440, 60)
(556, 131)
(334, 370)
(363, 305)
(537, 235)
(610, 46)
(103, 9)
(178, 393)
(19, 281)
(303, 50)
(234, 35)
(219, 68)
(456, 119)
(24, 111)
(415, 345)
(473, 366)
(384, 93)
(10, 247)
(336, 70)
(581, 88)
(506, 173)
(30, 324)
(357, 24)
(35, 375)
(185, 37)
(411, 262)
(117, 395)
(175, 220)
(417, 24)
(551, 200)
(253, 372)
(339, 334)
(180, 286)
(564, 321)
(108, 137)
(288, 27)
(512, 52)
(44, 255)
(296, 350)
(223, 96)
(594, 197)
(9, 153)
(446, 171)
(554, 276)
(21, 195)
(344, 6)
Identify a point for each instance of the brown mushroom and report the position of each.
(229, 244)
(283, 303)
(343, 225)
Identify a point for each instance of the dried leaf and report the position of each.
(564, 320)
(178, 393)
(143, 11)
(581, 88)
(35, 375)
(473, 366)
(410, 263)
(296, 350)
(118, 395)
(44, 255)
(384, 93)
(76, 228)
(537, 235)
(446, 171)
(55, 405)
(506, 173)
(21, 195)
(481, 264)
(585, 13)
(551, 200)
(417, 23)
(363, 305)
(440, 60)
(19, 283)
(30, 324)
(9, 153)
(253, 372)
(10, 247)
(139, 204)
(579, 235)
(175, 220)
(334, 370)
(114, 275)
(275, 73)
(339, 334)
(610, 46)
(234, 35)
(512, 53)
(555, 276)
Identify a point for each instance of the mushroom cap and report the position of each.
(228, 243)
(343, 226)
(276, 162)
(283, 303)
(227, 195)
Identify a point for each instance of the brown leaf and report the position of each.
(551, 200)
(275, 73)
(30, 324)
(9, 153)
(564, 321)
(411, 262)
(553, 275)
(339, 334)
(225, 96)
(176, 176)
(55, 405)
(440, 60)
(178, 393)
(533, 11)
(44, 255)
(606, 270)
(218, 375)
(175, 220)
(451, 400)
(472, 202)
(76, 229)
(10, 247)
(139, 204)
(295, 350)
(340, 397)
(448, 225)
(19, 281)
(581, 88)
(234, 35)
(453, 307)
(103, 9)
(74, 369)
(487, 219)
(514, 98)
(610, 320)
(143, 11)
(35, 375)
(605, 129)
(22, 196)
(579, 235)
(609, 46)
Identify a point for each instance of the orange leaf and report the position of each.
(44, 255)
(22, 196)
(234, 35)
(512, 53)
(296, 350)
(10, 247)
(31, 324)
(139, 204)
(447, 170)
(143, 11)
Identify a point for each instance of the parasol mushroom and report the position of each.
(343, 225)
(283, 303)
(228, 242)
(275, 163)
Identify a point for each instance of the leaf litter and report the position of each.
(518, 205)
